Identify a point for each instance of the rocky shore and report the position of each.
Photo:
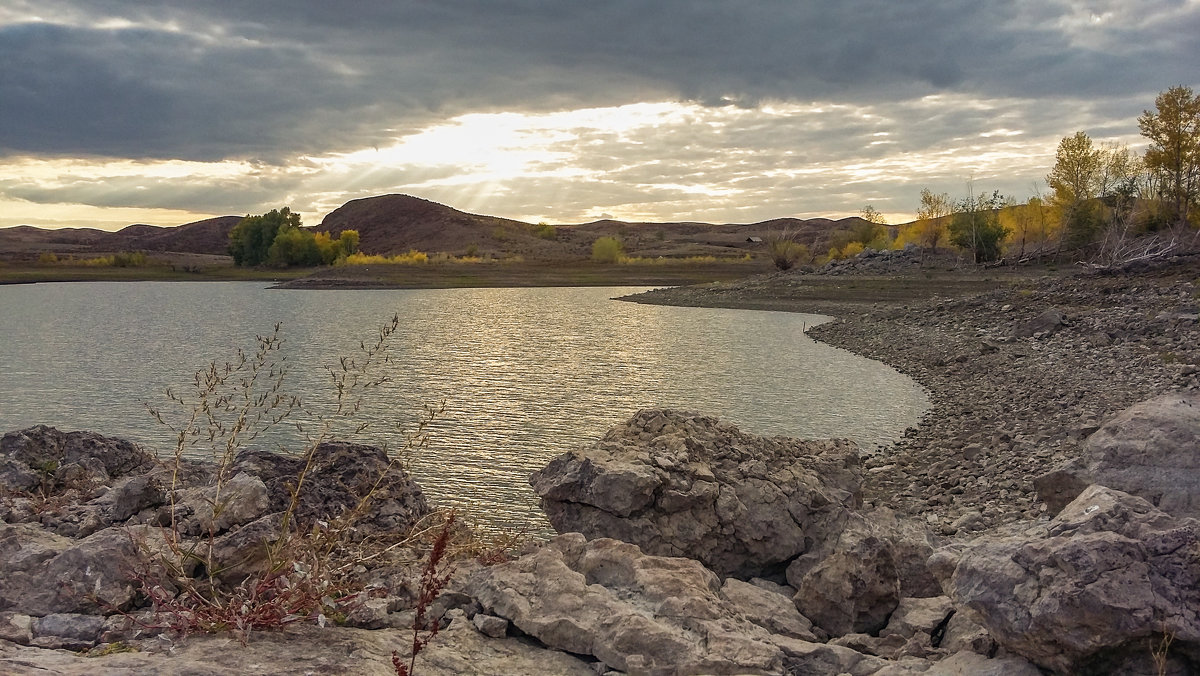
(1042, 519)
(1018, 375)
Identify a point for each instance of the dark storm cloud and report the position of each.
(209, 80)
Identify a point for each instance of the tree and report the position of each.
(977, 228)
(251, 239)
(931, 216)
(1174, 152)
(872, 215)
(293, 246)
(1076, 173)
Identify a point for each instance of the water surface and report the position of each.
(525, 373)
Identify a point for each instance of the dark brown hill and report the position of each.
(23, 238)
(210, 236)
(391, 224)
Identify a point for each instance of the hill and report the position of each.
(392, 224)
(210, 236)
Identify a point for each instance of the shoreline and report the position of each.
(1012, 394)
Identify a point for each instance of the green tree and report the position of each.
(251, 239)
(1174, 152)
(293, 246)
(607, 250)
(976, 226)
(348, 241)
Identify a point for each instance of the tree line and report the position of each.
(1101, 196)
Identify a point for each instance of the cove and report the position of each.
(525, 374)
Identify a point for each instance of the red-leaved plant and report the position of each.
(433, 581)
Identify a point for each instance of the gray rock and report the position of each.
(1048, 323)
(341, 476)
(212, 510)
(45, 574)
(854, 587)
(490, 625)
(1106, 576)
(301, 650)
(73, 627)
(963, 632)
(16, 476)
(635, 612)
(131, 495)
(918, 615)
(369, 614)
(1151, 449)
(103, 458)
(805, 658)
(770, 610)
(964, 664)
(243, 551)
(16, 627)
(678, 484)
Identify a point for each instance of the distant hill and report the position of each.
(210, 236)
(391, 224)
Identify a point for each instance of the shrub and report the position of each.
(852, 249)
(607, 250)
(786, 253)
(412, 257)
(47, 258)
(545, 231)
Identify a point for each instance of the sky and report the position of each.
(166, 112)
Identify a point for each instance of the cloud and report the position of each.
(766, 108)
(207, 80)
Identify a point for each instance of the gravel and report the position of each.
(1005, 409)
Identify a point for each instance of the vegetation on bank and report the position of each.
(276, 239)
(1101, 198)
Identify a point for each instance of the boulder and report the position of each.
(341, 475)
(48, 574)
(852, 582)
(1107, 577)
(300, 650)
(1047, 324)
(965, 664)
(17, 477)
(770, 610)
(680, 484)
(852, 589)
(211, 510)
(1151, 449)
(51, 451)
(928, 615)
(635, 612)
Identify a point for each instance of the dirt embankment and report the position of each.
(1020, 368)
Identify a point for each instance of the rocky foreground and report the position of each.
(1041, 520)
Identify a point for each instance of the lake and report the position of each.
(525, 374)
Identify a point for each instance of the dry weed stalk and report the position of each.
(307, 572)
(1161, 650)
